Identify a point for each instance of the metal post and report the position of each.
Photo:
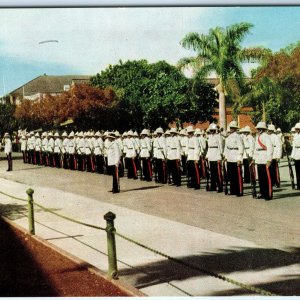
(30, 211)
(111, 245)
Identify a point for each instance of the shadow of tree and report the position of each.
(224, 262)
(13, 211)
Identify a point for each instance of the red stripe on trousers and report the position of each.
(150, 170)
(219, 172)
(134, 167)
(240, 179)
(197, 173)
(269, 182)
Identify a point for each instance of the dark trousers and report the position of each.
(234, 173)
(297, 168)
(132, 168)
(24, 157)
(202, 168)
(265, 183)
(246, 170)
(9, 161)
(162, 172)
(274, 172)
(113, 170)
(146, 169)
(72, 162)
(216, 178)
(184, 164)
(175, 171)
(193, 174)
(100, 164)
(90, 165)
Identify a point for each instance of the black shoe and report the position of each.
(115, 192)
(259, 196)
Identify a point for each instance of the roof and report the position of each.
(47, 84)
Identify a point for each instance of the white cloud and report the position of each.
(91, 38)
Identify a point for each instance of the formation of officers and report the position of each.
(213, 156)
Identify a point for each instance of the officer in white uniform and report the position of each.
(51, 149)
(113, 160)
(145, 151)
(98, 144)
(38, 149)
(8, 151)
(174, 156)
(233, 154)
(183, 138)
(160, 156)
(263, 152)
(193, 155)
(72, 151)
(65, 150)
(248, 141)
(214, 157)
(45, 158)
(131, 154)
(23, 147)
(277, 153)
(296, 153)
(203, 148)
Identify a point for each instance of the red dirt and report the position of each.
(29, 268)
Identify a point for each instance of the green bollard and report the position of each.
(111, 245)
(30, 211)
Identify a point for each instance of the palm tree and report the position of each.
(221, 52)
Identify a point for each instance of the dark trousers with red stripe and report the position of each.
(147, 169)
(274, 172)
(234, 173)
(132, 168)
(113, 170)
(9, 161)
(216, 178)
(193, 174)
(265, 183)
(162, 172)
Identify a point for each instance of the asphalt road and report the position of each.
(267, 223)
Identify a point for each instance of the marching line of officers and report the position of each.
(167, 155)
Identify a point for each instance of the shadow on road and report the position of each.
(225, 262)
(142, 188)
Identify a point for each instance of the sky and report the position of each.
(90, 39)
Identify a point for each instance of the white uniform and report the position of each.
(234, 148)
(113, 154)
(174, 148)
(263, 149)
(214, 147)
(277, 146)
(131, 148)
(296, 147)
(160, 148)
(145, 147)
(248, 141)
(7, 146)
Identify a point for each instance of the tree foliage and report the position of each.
(277, 85)
(220, 51)
(8, 122)
(86, 105)
(153, 95)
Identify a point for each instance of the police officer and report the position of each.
(160, 156)
(8, 151)
(214, 157)
(296, 153)
(71, 150)
(263, 151)
(193, 154)
(57, 150)
(277, 153)
(65, 150)
(145, 156)
(248, 141)
(174, 156)
(23, 147)
(38, 149)
(113, 160)
(131, 154)
(233, 155)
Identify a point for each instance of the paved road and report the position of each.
(247, 239)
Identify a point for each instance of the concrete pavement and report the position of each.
(248, 240)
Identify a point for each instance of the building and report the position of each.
(46, 85)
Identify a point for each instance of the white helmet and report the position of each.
(261, 125)
(212, 126)
(159, 130)
(271, 127)
(144, 132)
(233, 124)
(297, 126)
(37, 135)
(190, 129)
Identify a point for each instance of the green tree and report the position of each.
(153, 95)
(8, 122)
(221, 52)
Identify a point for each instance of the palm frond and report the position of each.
(255, 54)
(236, 32)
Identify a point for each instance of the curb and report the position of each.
(129, 289)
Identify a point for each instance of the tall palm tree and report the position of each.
(221, 52)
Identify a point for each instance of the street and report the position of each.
(252, 241)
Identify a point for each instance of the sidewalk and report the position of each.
(238, 255)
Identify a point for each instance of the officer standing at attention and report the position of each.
(296, 153)
(113, 160)
(193, 154)
(145, 156)
(248, 141)
(233, 154)
(214, 157)
(263, 151)
(160, 156)
(8, 150)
